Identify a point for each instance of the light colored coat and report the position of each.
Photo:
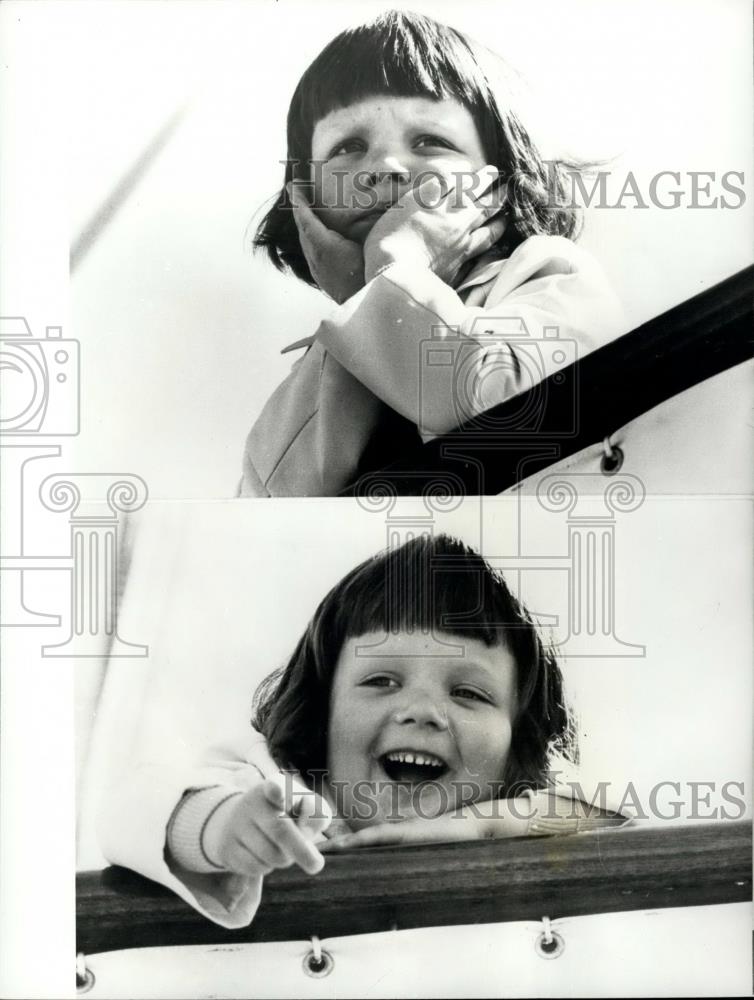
(435, 355)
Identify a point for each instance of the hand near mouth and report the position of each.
(336, 263)
(437, 227)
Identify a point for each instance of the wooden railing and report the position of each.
(432, 885)
(583, 404)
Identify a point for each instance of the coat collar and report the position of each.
(487, 267)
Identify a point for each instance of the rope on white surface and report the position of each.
(318, 962)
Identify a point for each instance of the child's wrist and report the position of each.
(194, 828)
(377, 271)
(385, 256)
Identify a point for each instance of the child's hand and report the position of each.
(251, 834)
(477, 822)
(337, 264)
(434, 228)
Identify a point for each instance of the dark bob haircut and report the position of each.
(428, 583)
(410, 55)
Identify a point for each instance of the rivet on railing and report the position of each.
(612, 458)
(318, 962)
(84, 975)
(549, 944)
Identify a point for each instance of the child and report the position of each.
(415, 198)
(420, 704)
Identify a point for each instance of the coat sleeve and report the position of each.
(136, 812)
(408, 348)
(438, 361)
(312, 432)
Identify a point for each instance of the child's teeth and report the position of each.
(425, 760)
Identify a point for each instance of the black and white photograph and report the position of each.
(493, 745)
(377, 434)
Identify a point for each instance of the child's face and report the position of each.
(396, 139)
(413, 732)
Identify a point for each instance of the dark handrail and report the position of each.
(584, 403)
(432, 885)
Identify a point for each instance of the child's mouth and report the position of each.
(412, 766)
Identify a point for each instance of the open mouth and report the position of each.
(412, 766)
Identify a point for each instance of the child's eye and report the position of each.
(345, 147)
(429, 141)
(471, 694)
(380, 680)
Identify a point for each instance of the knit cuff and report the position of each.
(187, 824)
(556, 814)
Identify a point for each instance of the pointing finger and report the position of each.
(297, 847)
(313, 814)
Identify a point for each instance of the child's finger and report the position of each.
(482, 192)
(297, 192)
(485, 237)
(243, 859)
(430, 191)
(274, 793)
(314, 234)
(313, 814)
(255, 840)
(296, 847)
(486, 178)
(492, 203)
(305, 216)
(370, 836)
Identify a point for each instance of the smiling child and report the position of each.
(434, 717)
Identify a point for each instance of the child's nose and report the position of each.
(388, 174)
(422, 710)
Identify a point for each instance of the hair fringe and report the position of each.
(291, 707)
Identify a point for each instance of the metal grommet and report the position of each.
(612, 458)
(549, 945)
(318, 963)
(84, 976)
